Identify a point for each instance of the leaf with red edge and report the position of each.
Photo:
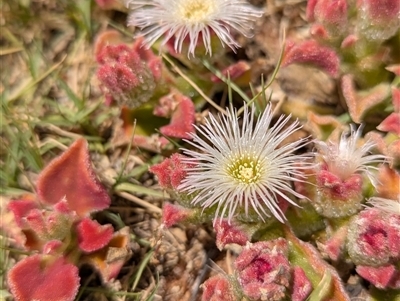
(310, 52)
(390, 124)
(44, 279)
(228, 233)
(71, 176)
(21, 208)
(359, 103)
(182, 120)
(381, 277)
(92, 236)
(109, 260)
(173, 214)
(308, 258)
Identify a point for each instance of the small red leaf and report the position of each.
(182, 120)
(71, 176)
(229, 233)
(390, 124)
(35, 278)
(381, 277)
(173, 214)
(302, 287)
(92, 236)
(311, 52)
(20, 209)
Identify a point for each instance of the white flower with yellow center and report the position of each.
(244, 167)
(192, 18)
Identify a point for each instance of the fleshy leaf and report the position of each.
(311, 52)
(21, 208)
(381, 277)
(173, 214)
(218, 288)
(307, 257)
(228, 233)
(301, 285)
(182, 120)
(44, 279)
(71, 176)
(358, 104)
(92, 236)
(109, 260)
(390, 124)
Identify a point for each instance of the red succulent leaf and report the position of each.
(218, 288)
(43, 279)
(302, 287)
(264, 271)
(71, 176)
(170, 172)
(21, 208)
(381, 277)
(92, 236)
(310, 10)
(311, 52)
(390, 124)
(173, 214)
(228, 233)
(109, 260)
(52, 247)
(182, 120)
(239, 72)
(309, 259)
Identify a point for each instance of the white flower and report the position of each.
(239, 167)
(347, 157)
(193, 18)
(387, 205)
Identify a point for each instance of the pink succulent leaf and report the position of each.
(373, 238)
(173, 214)
(21, 208)
(319, 32)
(228, 233)
(311, 10)
(52, 247)
(335, 245)
(43, 278)
(218, 288)
(153, 61)
(235, 72)
(349, 41)
(358, 105)
(182, 120)
(311, 52)
(92, 236)
(309, 259)
(390, 124)
(302, 287)
(264, 271)
(35, 220)
(332, 14)
(381, 11)
(109, 260)
(124, 75)
(170, 172)
(394, 69)
(71, 176)
(381, 277)
(335, 187)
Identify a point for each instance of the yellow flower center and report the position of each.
(245, 169)
(196, 11)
